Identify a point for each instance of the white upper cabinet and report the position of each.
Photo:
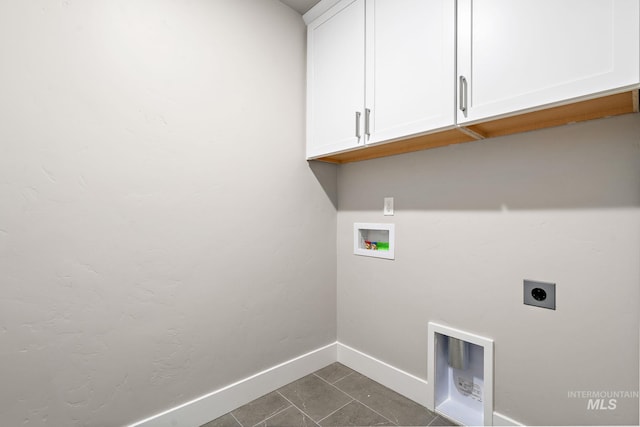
(379, 70)
(519, 55)
(410, 67)
(335, 79)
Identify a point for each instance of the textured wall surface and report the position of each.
(472, 221)
(161, 235)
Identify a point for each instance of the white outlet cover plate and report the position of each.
(388, 206)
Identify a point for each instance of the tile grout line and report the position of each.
(237, 420)
(331, 384)
(371, 409)
(339, 379)
(296, 406)
(273, 415)
(397, 423)
(348, 403)
(444, 418)
(354, 399)
(317, 423)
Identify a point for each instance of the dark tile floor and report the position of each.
(332, 396)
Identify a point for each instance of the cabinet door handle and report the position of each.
(358, 114)
(367, 116)
(462, 90)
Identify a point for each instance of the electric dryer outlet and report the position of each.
(540, 294)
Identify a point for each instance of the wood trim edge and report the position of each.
(605, 106)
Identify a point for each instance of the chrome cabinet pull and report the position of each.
(462, 90)
(367, 117)
(358, 114)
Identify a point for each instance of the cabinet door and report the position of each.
(335, 79)
(524, 54)
(410, 67)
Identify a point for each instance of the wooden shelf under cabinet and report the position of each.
(606, 106)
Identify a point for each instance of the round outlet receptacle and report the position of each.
(538, 294)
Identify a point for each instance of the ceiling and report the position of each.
(301, 6)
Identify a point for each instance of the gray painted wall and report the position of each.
(474, 220)
(160, 236)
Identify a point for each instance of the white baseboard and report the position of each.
(217, 403)
(397, 380)
(504, 421)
